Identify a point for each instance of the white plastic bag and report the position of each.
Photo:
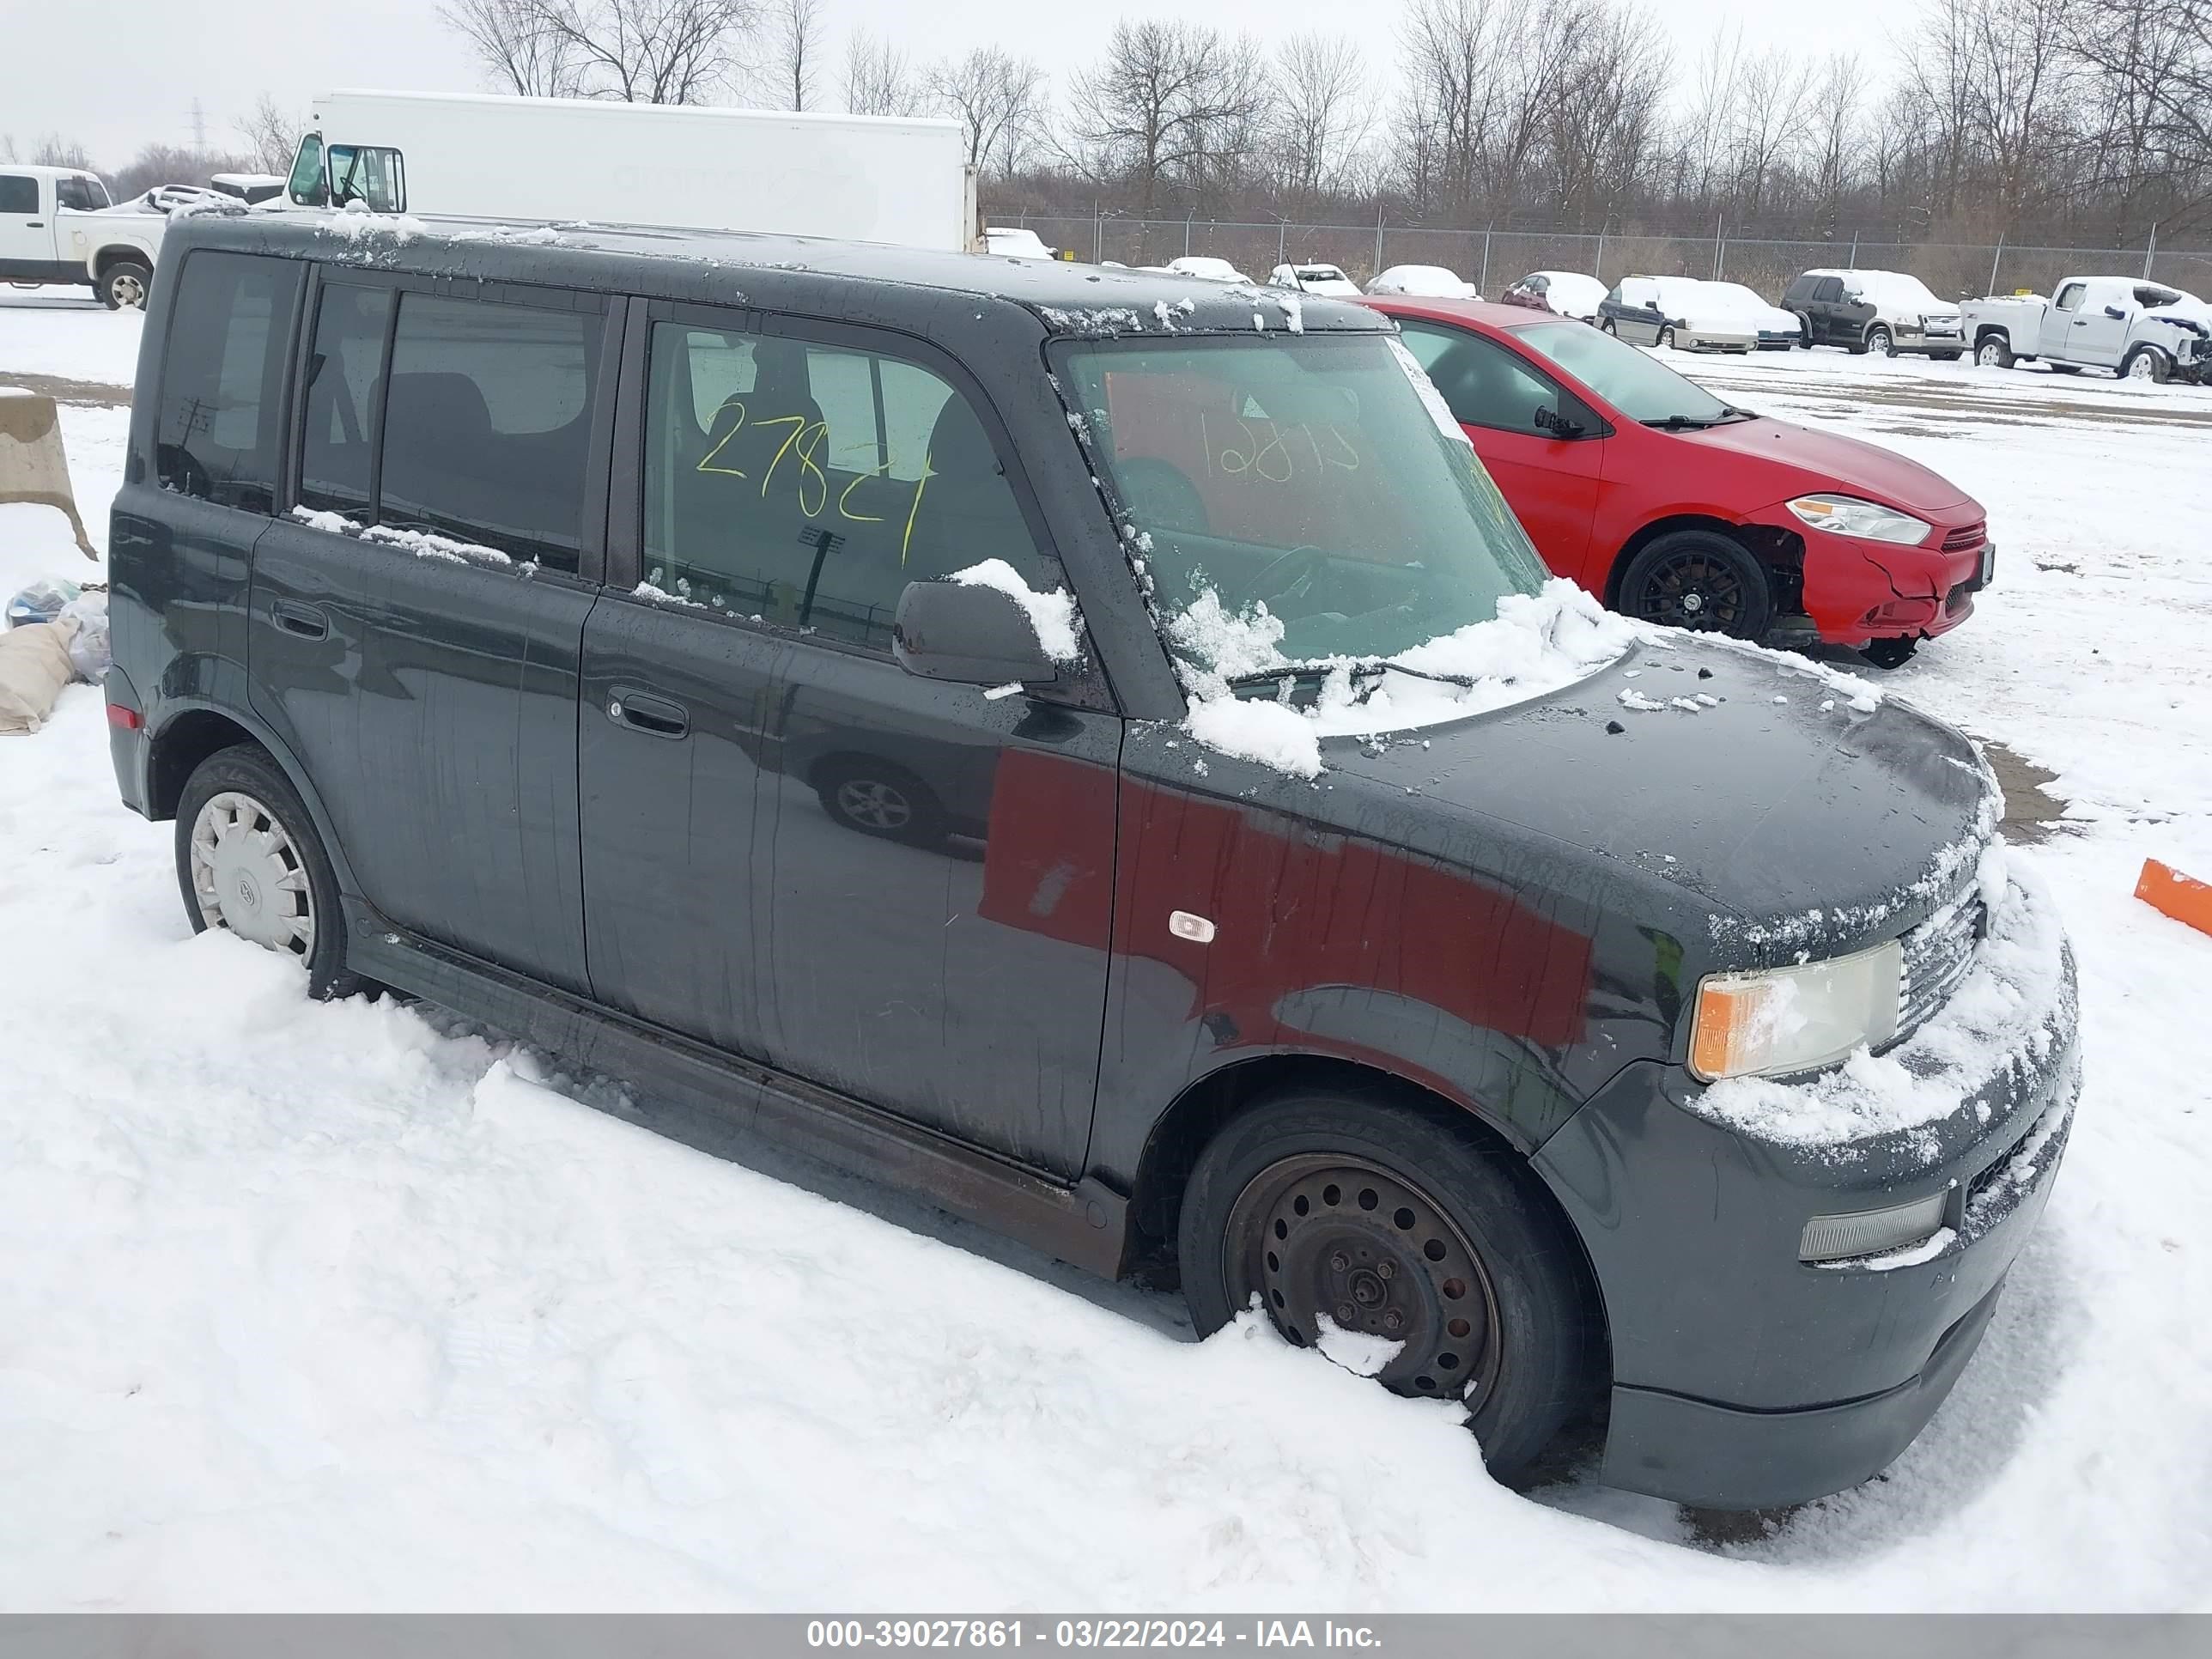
(88, 652)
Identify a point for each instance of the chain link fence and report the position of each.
(1493, 258)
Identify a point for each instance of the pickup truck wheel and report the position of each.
(1994, 353)
(125, 284)
(1880, 339)
(2146, 363)
(1699, 580)
(250, 862)
(1405, 1250)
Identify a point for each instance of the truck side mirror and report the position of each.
(2115, 314)
(968, 633)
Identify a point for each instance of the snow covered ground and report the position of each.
(343, 1306)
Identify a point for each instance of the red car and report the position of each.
(1673, 506)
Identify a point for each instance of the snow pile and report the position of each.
(1090, 322)
(423, 543)
(2016, 1001)
(1360, 1352)
(1537, 643)
(358, 225)
(1052, 614)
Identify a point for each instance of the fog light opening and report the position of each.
(1872, 1232)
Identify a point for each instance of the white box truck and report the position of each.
(855, 178)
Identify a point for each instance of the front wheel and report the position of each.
(1699, 580)
(125, 285)
(1993, 353)
(2146, 363)
(1667, 338)
(249, 862)
(1893, 653)
(1405, 1250)
(1882, 342)
(1605, 325)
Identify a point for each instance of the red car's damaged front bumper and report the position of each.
(1856, 590)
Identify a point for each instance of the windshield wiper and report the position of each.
(1699, 422)
(1367, 670)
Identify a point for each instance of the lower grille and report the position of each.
(1938, 955)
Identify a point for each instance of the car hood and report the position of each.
(1801, 812)
(1830, 460)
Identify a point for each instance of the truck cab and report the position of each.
(55, 226)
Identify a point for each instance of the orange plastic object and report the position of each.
(2184, 898)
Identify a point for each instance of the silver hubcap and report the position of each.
(1988, 356)
(2141, 368)
(130, 291)
(877, 805)
(249, 877)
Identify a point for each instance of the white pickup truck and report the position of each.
(57, 226)
(2140, 330)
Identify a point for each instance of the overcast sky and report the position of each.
(115, 74)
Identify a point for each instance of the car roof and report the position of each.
(736, 267)
(1483, 313)
(42, 171)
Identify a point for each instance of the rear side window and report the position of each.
(18, 193)
(84, 195)
(487, 425)
(345, 385)
(216, 430)
(809, 497)
(1485, 383)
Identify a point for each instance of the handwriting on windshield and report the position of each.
(807, 477)
(1281, 455)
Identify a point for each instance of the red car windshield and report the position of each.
(1637, 384)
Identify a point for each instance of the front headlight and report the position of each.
(1845, 515)
(1776, 1021)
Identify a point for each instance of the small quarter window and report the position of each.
(216, 431)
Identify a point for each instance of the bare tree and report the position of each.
(272, 135)
(1323, 111)
(1173, 106)
(55, 151)
(880, 78)
(794, 30)
(517, 46)
(1835, 134)
(999, 100)
(651, 51)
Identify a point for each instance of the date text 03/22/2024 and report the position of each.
(1109, 1633)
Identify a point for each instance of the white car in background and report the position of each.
(1777, 330)
(1562, 293)
(1015, 242)
(1423, 283)
(1674, 310)
(1207, 267)
(1328, 281)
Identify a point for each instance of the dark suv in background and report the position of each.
(772, 672)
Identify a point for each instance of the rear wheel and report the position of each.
(249, 862)
(125, 285)
(1994, 353)
(1700, 579)
(1403, 1248)
(1804, 332)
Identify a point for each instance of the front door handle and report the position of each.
(655, 717)
(309, 622)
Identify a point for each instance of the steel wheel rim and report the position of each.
(1987, 357)
(248, 876)
(1692, 590)
(130, 291)
(877, 805)
(2139, 367)
(1329, 1233)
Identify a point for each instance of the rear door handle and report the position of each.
(655, 717)
(307, 621)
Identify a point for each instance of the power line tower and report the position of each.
(199, 128)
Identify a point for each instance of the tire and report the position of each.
(1605, 326)
(1702, 581)
(1485, 1285)
(284, 897)
(1880, 341)
(880, 799)
(1665, 339)
(1994, 351)
(1893, 653)
(2146, 363)
(125, 284)
(1944, 356)
(1804, 340)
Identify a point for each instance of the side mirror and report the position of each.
(1558, 425)
(2115, 314)
(968, 633)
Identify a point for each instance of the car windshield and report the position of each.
(1639, 385)
(1895, 288)
(1736, 296)
(1296, 499)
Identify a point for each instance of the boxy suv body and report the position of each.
(829, 687)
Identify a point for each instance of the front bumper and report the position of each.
(1744, 1377)
(1856, 590)
(1691, 337)
(1909, 339)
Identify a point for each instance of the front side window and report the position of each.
(216, 431)
(806, 485)
(345, 384)
(1306, 474)
(18, 193)
(306, 182)
(2070, 297)
(1485, 383)
(1830, 291)
(373, 176)
(487, 424)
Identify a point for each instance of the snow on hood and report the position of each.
(2018, 998)
(1536, 644)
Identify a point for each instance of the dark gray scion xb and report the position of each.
(843, 691)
